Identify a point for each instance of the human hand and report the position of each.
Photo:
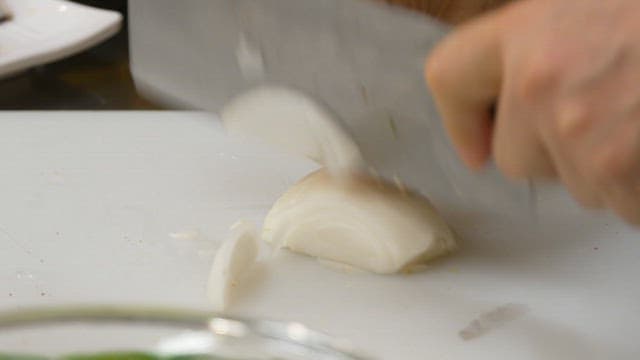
(565, 80)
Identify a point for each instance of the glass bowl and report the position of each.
(127, 333)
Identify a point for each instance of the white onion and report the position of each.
(363, 222)
(232, 261)
(294, 122)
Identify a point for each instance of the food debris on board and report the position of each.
(233, 260)
(492, 320)
(185, 235)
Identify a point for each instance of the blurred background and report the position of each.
(96, 79)
(99, 78)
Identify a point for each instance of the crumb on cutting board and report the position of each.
(492, 320)
(185, 235)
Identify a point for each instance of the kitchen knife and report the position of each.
(364, 61)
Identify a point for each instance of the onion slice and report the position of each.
(232, 261)
(294, 122)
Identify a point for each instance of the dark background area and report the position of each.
(96, 79)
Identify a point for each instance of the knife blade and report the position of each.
(364, 61)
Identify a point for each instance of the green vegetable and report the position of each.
(21, 357)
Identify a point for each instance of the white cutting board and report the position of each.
(88, 201)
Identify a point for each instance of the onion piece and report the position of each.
(294, 122)
(232, 261)
(365, 222)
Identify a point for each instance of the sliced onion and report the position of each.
(291, 120)
(364, 222)
(232, 261)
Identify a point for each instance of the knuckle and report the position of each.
(539, 77)
(572, 118)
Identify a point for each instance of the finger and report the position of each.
(519, 154)
(579, 185)
(517, 149)
(624, 200)
(568, 152)
(566, 132)
(617, 170)
(464, 73)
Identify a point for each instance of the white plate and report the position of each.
(41, 31)
(89, 202)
